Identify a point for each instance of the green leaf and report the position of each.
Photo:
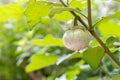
(110, 29)
(64, 16)
(59, 10)
(40, 61)
(81, 4)
(49, 40)
(36, 11)
(93, 56)
(10, 12)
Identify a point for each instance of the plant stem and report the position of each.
(75, 21)
(63, 3)
(92, 32)
(67, 2)
(89, 14)
(78, 11)
(97, 22)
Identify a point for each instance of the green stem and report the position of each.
(68, 2)
(97, 22)
(75, 21)
(63, 3)
(89, 14)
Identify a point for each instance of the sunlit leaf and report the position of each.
(110, 29)
(81, 4)
(10, 12)
(35, 11)
(59, 10)
(49, 40)
(40, 61)
(93, 56)
(64, 16)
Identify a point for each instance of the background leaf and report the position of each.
(40, 61)
(10, 12)
(35, 12)
(49, 40)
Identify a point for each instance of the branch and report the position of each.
(78, 11)
(75, 21)
(82, 22)
(63, 3)
(84, 15)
